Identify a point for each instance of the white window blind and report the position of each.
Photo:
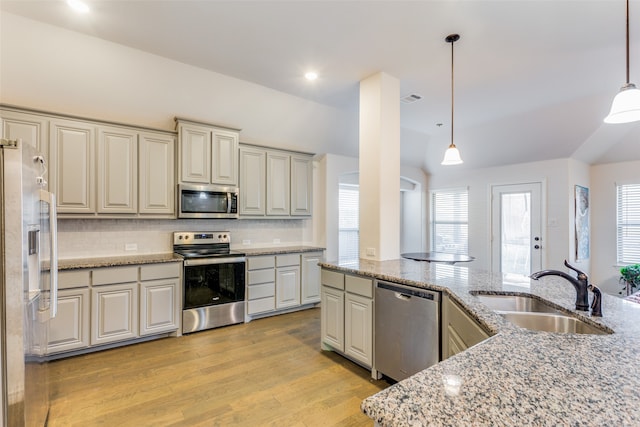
(348, 223)
(450, 221)
(628, 223)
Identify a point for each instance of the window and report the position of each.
(628, 223)
(348, 223)
(449, 221)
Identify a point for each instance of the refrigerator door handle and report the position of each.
(50, 198)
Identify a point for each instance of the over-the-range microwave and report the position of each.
(207, 201)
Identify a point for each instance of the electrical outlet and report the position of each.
(276, 241)
(131, 247)
(371, 251)
(246, 242)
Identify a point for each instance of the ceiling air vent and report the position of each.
(411, 98)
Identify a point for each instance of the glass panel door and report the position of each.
(516, 225)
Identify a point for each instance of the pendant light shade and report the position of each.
(452, 155)
(626, 105)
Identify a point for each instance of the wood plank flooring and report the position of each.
(269, 372)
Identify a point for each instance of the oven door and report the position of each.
(213, 281)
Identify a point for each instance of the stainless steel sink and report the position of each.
(551, 322)
(520, 303)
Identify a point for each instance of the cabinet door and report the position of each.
(72, 165)
(459, 330)
(117, 170)
(195, 153)
(69, 330)
(252, 181)
(114, 313)
(358, 328)
(301, 185)
(159, 310)
(332, 318)
(224, 158)
(287, 287)
(278, 180)
(156, 181)
(30, 128)
(310, 282)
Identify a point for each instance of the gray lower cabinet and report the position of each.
(276, 283)
(347, 316)
(69, 330)
(459, 330)
(115, 304)
(159, 298)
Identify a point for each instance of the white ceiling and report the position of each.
(533, 78)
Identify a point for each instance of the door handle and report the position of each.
(536, 247)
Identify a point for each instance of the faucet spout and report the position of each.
(580, 283)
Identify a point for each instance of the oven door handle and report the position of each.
(212, 261)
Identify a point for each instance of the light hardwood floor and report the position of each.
(269, 372)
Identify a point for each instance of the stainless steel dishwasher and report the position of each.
(407, 329)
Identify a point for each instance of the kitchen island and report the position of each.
(517, 377)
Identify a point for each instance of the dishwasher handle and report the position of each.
(406, 292)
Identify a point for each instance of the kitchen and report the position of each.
(153, 90)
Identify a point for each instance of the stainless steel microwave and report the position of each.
(207, 201)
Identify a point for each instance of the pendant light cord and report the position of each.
(627, 42)
(452, 42)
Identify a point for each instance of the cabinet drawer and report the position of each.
(332, 278)
(73, 278)
(261, 305)
(359, 285)
(287, 260)
(258, 262)
(111, 275)
(261, 276)
(160, 271)
(263, 290)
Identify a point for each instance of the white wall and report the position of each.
(554, 176)
(52, 69)
(604, 269)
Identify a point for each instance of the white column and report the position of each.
(379, 167)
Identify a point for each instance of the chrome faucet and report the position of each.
(581, 283)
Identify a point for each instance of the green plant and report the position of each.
(630, 276)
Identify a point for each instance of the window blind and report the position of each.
(450, 221)
(348, 223)
(628, 223)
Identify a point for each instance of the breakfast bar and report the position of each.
(517, 376)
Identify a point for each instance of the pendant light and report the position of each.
(452, 155)
(626, 105)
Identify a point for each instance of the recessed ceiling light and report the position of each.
(78, 6)
(311, 75)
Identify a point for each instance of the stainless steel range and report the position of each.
(213, 280)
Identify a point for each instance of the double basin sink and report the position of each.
(532, 313)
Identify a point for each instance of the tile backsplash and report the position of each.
(86, 238)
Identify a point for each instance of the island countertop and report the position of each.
(517, 377)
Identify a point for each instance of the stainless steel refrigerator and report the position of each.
(29, 283)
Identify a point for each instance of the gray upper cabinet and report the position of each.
(117, 170)
(156, 182)
(72, 165)
(252, 181)
(275, 183)
(278, 183)
(301, 185)
(208, 154)
(31, 128)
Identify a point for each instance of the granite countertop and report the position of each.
(113, 261)
(276, 250)
(517, 377)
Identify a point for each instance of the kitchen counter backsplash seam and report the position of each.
(121, 260)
